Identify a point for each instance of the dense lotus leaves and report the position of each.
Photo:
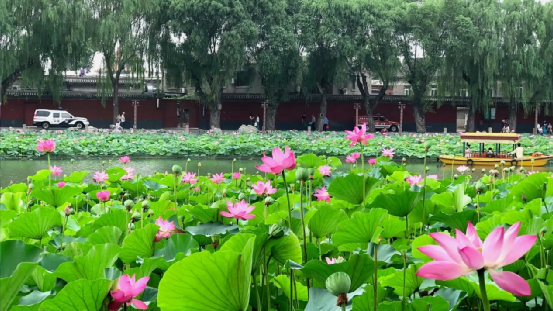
(210, 262)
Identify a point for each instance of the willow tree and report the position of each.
(276, 52)
(473, 51)
(522, 67)
(120, 34)
(376, 51)
(38, 37)
(209, 44)
(323, 36)
(421, 37)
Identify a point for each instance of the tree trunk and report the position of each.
(271, 117)
(368, 110)
(513, 109)
(214, 115)
(322, 114)
(470, 120)
(418, 114)
(115, 101)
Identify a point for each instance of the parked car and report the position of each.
(380, 122)
(57, 118)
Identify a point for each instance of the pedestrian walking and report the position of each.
(122, 120)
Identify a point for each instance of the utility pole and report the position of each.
(135, 105)
(356, 106)
(401, 107)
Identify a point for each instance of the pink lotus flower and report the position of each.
(432, 176)
(462, 168)
(532, 172)
(100, 177)
(129, 169)
(324, 170)
(125, 159)
(127, 289)
(56, 170)
(414, 180)
(466, 254)
(350, 159)
(263, 188)
(46, 146)
(67, 210)
(333, 260)
(372, 161)
(217, 178)
(127, 176)
(166, 229)
(103, 196)
(61, 184)
(278, 162)
(189, 178)
(358, 135)
(356, 155)
(388, 152)
(196, 189)
(239, 210)
(236, 175)
(322, 195)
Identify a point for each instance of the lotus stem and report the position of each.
(343, 306)
(303, 223)
(288, 201)
(404, 299)
(363, 170)
(482, 283)
(375, 286)
(49, 175)
(424, 189)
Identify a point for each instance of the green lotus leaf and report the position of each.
(55, 196)
(207, 281)
(91, 266)
(325, 221)
(358, 267)
(350, 188)
(140, 243)
(79, 295)
(36, 224)
(361, 228)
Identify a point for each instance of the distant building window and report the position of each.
(463, 93)
(407, 92)
(520, 91)
(353, 81)
(433, 91)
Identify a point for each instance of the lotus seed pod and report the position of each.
(240, 170)
(483, 170)
(502, 162)
(269, 200)
(145, 203)
(199, 163)
(427, 144)
(234, 160)
(72, 160)
(103, 162)
(455, 176)
(496, 166)
(338, 283)
(129, 203)
(31, 186)
(188, 160)
(276, 231)
(176, 169)
(522, 169)
(403, 160)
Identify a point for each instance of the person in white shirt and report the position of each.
(518, 152)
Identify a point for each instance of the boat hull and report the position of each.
(526, 161)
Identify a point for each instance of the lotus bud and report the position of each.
(502, 163)
(177, 169)
(269, 200)
(427, 145)
(524, 198)
(455, 176)
(150, 213)
(234, 160)
(338, 284)
(240, 170)
(241, 196)
(199, 164)
(496, 166)
(403, 160)
(68, 210)
(483, 170)
(276, 231)
(302, 174)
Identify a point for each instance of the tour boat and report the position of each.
(481, 156)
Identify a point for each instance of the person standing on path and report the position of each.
(325, 124)
(122, 121)
(252, 120)
(257, 123)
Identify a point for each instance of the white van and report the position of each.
(57, 118)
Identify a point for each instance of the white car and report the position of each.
(57, 118)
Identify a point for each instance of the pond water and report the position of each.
(18, 170)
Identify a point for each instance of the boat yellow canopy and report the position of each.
(490, 138)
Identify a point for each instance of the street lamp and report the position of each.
(356, 106)
(135, 105)
(401, 107)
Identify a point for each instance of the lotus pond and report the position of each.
(298, 233)
(72, 144)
